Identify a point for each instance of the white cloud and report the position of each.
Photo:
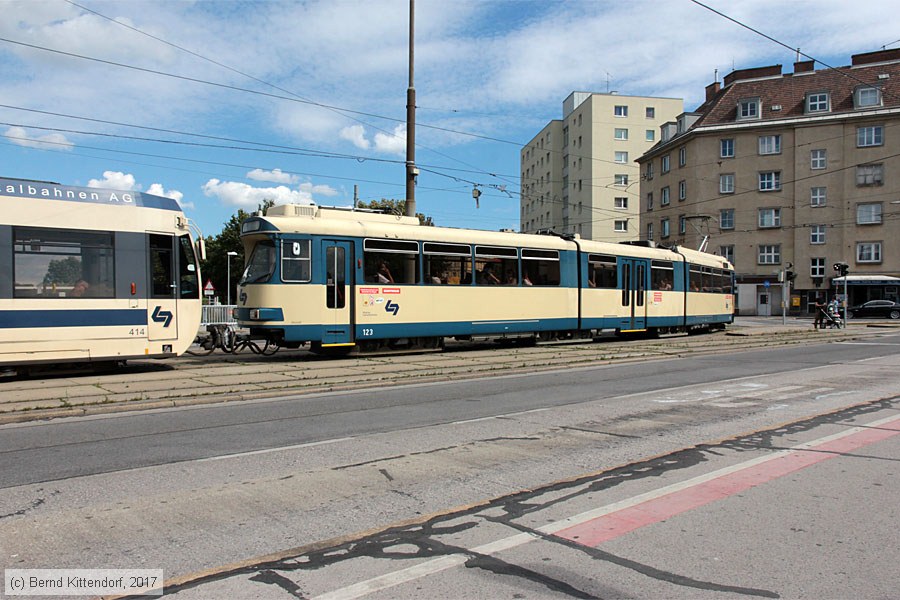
(157, 189)
(52, 141)
(319, 190)
(233, 193)
(115, 180)
(392, 144)
(356, 134)
(275, 176)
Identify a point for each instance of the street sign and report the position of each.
(766, 283)
(208, 289)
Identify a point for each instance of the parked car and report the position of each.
(877, 308)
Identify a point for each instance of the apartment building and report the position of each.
(786, 172)
(579, 174)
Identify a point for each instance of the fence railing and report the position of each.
(217, 314)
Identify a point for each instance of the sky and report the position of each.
(225, 104)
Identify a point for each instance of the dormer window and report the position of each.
(865, 96)
(817, 102)
(748, 108)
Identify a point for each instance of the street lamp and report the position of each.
(228, 269)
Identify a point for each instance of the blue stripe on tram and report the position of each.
(21, 319)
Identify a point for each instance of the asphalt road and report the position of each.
(203, 487)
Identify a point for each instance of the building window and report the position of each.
(868, 214)
(682, 156)
(727, 252)
(682, 224)
(664, 196)
(770, 144)
(769, 217)
(726, 218)
(664, 164)
(649, 200)
(726, 183)
(620, 202)
(682, 190)
(769, 254)
(726, 148)
(621, 133)
(816, 234)
(649, 170)
(748, 108)
(621, 226)
(651, 112)
(649, 231)
(769, 181)
(864, 96)
(817, 267)
(621, 179)
(649, 135)
(869, 136)
(817, 196)
(621, 157)
(868, 252)
(664, 228)
(817, 102)
(621, 111)
(870, 174)
(818, 159)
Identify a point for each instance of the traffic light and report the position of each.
(842, 268)
(790, 276)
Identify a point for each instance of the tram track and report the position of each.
(240, 377)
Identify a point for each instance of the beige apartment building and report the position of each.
(579, 174)
(787, 172)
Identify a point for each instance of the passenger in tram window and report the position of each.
(80, 288)
(526, 279)
(665, 284)
(487, 275)
(384, 273)
(510, 278)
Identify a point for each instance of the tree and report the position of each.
(215, 267)
(396, 207)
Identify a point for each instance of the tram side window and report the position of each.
(495, 265)
(391, 261)
(727, 279)
(295, 260)
(161, 263)
(261, 265)
(187, 269)
(696, 278)
(540, 267)
(447, 264)
(61, 263)
(661, 275)
(602, 271)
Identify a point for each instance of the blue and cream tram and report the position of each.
(341, 278)
(93, 275)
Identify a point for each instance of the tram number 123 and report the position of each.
(368, 331)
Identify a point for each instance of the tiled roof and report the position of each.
(789, 91)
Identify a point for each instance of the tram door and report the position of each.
(161, 302)
(338, 258)
(634, 280)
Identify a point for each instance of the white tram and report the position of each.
(92, 275)
(337, 278)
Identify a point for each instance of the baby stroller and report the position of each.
(832, 317)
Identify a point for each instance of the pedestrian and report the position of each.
(819, 323)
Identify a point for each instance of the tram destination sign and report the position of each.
(53, 191)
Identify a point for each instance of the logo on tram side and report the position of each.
(392, 306)
(161, 316)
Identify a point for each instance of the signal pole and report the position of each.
(411, 170)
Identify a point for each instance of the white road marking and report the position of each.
(433, 566)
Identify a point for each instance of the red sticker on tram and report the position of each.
(364, 290)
